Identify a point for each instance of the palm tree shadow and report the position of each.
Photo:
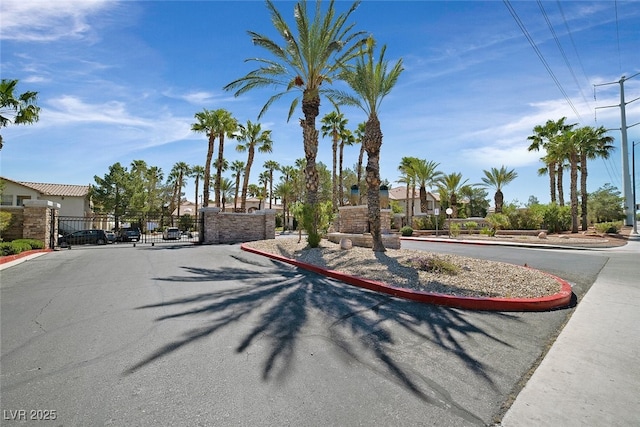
(283, 298)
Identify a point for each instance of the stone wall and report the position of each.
(38, 216)
(355, 219)
(227, 227)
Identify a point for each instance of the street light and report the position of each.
(633, 173)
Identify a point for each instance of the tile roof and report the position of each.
(68, 190)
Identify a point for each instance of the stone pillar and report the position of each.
(40, 221)
(211, 229)
(269, 224)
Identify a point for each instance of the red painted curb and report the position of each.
(559, 300)
(9, 258)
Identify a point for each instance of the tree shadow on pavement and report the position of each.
(363, 325)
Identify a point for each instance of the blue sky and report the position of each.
(121, 81)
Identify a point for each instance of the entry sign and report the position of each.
(436, 211)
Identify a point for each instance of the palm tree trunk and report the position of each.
(560, 173)
(499, 200)
(373, 142)
(311, 109)
(359, 171)
(423, 199)
(207, 172)
(552, 182)
(574, 192)
(406, 205)
(340, 185)
(334, 175)
(583, 190)
(245, 181)
(219, 168)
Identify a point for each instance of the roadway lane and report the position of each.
(210, 335)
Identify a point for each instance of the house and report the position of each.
(74, 200)
(399, 194)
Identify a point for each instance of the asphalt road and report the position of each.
(185, 335)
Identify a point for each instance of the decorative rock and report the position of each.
(564, 236)
(346, 243)
(542, 235)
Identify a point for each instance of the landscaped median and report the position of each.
(8, 258)
(559, 299)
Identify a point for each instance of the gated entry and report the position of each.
(136, 228)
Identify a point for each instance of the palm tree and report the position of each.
(224, 124)
(545, 137)
(303, 63)
(270, 166)
(263, 180)
(333, 125)
(409, 178)
(20, 110)
(179, 172)
(286, 190)
(371, 82)
(568, 147)
(197, 172)
(237, 167)
(426, 174)
(593, 144)
(346, 138)
(498, 178)
(451, 185)
(226, 191)
(249, 138)
(206, 124)
(359, 135)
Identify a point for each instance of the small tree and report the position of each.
(605, 205)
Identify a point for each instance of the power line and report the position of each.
(541, 56)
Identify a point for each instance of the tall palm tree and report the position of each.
(545, 137)
(20, 110)
(497, 178)
(303, 63)
(179, 172)
(237, 167)
(371, 81)
(270, 166)
(224, 124)
(593, 144)
(426, 173)
(207, 124)
(197, 172)
(346, 139)
(226, 191)
(409, 178)
(568, 146)
(359, 135)
(452, 185)
(250, 138)
(333, 125)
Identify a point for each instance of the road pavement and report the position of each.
(211, 335)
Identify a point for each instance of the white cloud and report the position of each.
(42, 21)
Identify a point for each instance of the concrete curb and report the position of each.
(11, 260)
(559, 300)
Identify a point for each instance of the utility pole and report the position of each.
(629, 206)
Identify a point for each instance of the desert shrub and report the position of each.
(6, 248)
(608, 227)
(488, 231)
(433, 264)
(421, 223)
(5, 221)
(471, 225)
(406, 231)
(33, 243)
(321, 216)
(19, 245)
(454, 229)
(498, 221)
(557, 218)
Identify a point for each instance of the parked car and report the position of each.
(171, 233)
(111, 236)
(129, 235)
(84, 237)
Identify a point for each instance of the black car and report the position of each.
(129, 235)
(84, 237)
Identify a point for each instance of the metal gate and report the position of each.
(132, 228)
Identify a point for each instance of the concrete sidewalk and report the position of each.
(591, 374)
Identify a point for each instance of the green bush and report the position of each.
(434, 265)
(608, 227)
(406, 231)
(498, 221)
(557, 218)
(454, 229)
(471, 225)
(488, 231)
(19, 245)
